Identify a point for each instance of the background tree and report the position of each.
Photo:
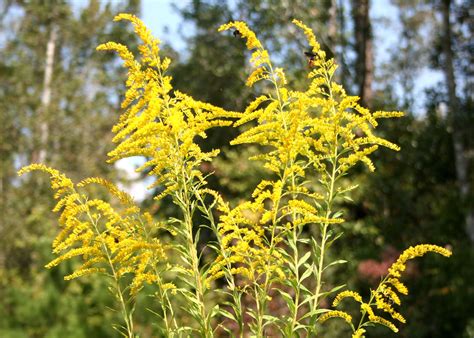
(57, 102)
(457, 114)
(426, 203)
(363, 46)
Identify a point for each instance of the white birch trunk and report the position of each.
(46, 94)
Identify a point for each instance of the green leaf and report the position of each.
(227, 314)
(215, 311)
(334, 289)
(310, 314)
(348, 198)
(288, 299)
(303, 259)
(270, 319)
(329, 243)
(339, 261)
(306, 274)
(292, 245)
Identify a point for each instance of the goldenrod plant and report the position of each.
(274, 244)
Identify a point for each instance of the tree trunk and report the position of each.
(455, 121)
(341, 20)
(364, 50)
(46, 94)
(332, 26)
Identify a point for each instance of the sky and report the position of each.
(164, 20)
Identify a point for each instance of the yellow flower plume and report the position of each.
(159, 123)
(385, 296)
(104, 238)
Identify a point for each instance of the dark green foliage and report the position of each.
(423, 206)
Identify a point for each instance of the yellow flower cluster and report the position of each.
(245, 250)
(412, 252)
(260, 59)
(250, 233)
(335, 314)
(346, 294)
(315, 47)
(359, 333)
(159, 123)
(302, 130)
(386, 295)
(122, 196)
(313, 124)
(109, 242)
(377, 319)
(303, 213)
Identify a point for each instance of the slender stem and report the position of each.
(324, 234)
(162, 295)
(294, 320)
(330, 197)
(228, 275)
(259, 304)
(126, 316)
(197, 277)
(192, 250)
(361, 321)
(262, 296)
(184, 198)
(165, 303)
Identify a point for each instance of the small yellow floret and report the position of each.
(359, 333)
(310, 35)
(345, 294)
(245, 33)
(412, 252)
(335, 314)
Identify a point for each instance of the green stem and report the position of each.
(185, 197)
(260, 312)
(119, 292)
(294, 320)
(361, 321)
(261, 297)
(228, 275)
(324, 234)
(329, 201)
(162, 295)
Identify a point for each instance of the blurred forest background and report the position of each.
(59, 99)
